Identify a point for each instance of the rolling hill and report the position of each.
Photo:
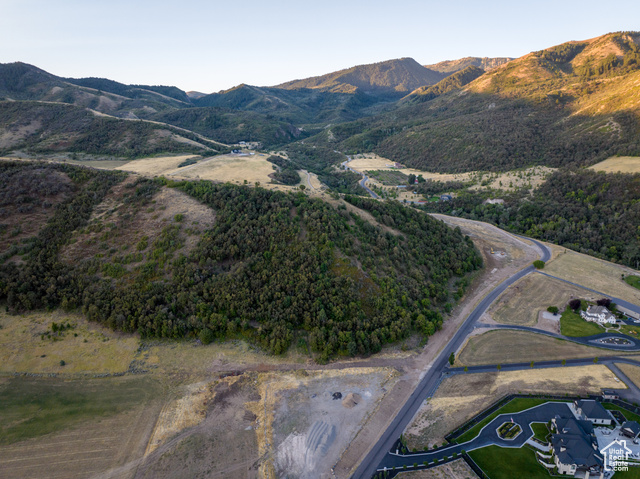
(192, 259)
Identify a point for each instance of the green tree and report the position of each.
(539, 264)
(452, 358)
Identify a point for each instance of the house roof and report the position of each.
(632, 426)
(597, 310)
(575, 449)
(568, 425)
(593, 409)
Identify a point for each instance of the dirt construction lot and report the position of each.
(453, 470)
(460, 397)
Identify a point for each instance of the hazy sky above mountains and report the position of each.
(213, 45)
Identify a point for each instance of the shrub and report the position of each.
(206, 336)
(539, 264)
(553, 309)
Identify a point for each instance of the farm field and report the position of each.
(602, 275)
(521, 303)
(618, 164)
(461, 396)
(519, 346)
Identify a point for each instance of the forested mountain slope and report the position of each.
(272, 267)
(391, 76)
(574, 104)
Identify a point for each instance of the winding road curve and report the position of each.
(363, 181)
(379, 454)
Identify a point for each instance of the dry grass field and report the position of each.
(75, 429)
(156, 166)
(593, 273)
(229, 168)
(618, 164)
(86, 348)
(632, 372)
(521, 303)
(371, 161)
(453, 470)
(504, 346)
(460, 397)
(510, 180)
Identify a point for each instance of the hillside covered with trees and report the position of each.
(590, 212)
(274, 268)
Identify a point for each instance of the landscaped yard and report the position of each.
(627, 414)
(633, 281)
(540, 431)
(509, 430)
(571, 324)
(515, 405)
(507, 463)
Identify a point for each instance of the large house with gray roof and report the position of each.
(575, 449)
(598, 314)
(593, 411)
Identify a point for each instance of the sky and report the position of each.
(213, 45)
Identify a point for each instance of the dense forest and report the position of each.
(275, 268)
(587, 211)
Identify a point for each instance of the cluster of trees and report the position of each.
(590, 212)
(275, 267)
(286, 173)
(429, 188)
(323, 162)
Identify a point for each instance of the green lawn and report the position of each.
(571, 324)
(633, 281)
(507, 463)
(34, 407)
(632, 473)
(628, 414)
(515, 405)
(540, 431)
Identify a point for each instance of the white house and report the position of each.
(598, 314)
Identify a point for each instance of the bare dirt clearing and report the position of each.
(302, 425)
(618, 164)
(460, 397)
(593, 273)
(522, 302)
(503, 346)
(453, 470)
(87, 348)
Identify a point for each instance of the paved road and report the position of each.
(363, 181)
(432, 378)
(488, 436)
(594, 340)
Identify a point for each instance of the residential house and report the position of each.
(575, 450)
(598, 314)
(593, 411)
(446, 197)
(630, 429)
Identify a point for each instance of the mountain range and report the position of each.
(573, 103)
